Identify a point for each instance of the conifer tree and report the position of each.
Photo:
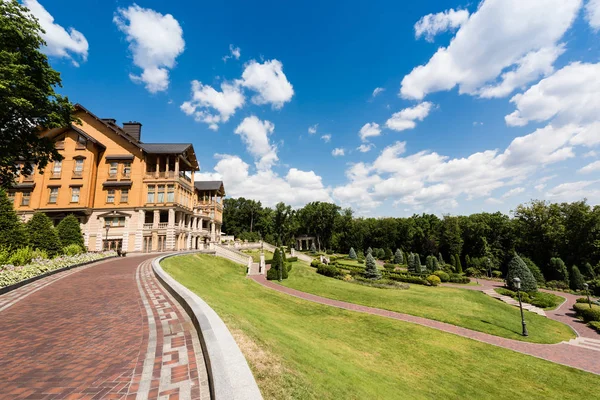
(313, 248)
(42, 234)
(429, 263)
(518, 269)
(537, 274)
(371, 270)
(436, 265)
(388, 255)
(69, 232)
(558, 271)
(398, 258)
(468, 261)
(418, 266)
(441, 259)
(576, 280)
(459, 268)
(283, 264)
(588, 271)
(273, 272)
(411, 262)
(453, 262)
(352, 254)
(370, 251)
(12, 232)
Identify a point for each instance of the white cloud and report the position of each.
(377, 91)
(326, 138)
(269, 81)
(493, 201)
(592, 167)
(155, 40)
(432, 24)
(225, 102)
(592, 14)
(313, 129)
(365, 147)
(337, 152)
(255, 134)
(501, 34)
(513, 192)
(368, 130)
(574, 191)
(477, 123)
(540, 187)
(405, 119)
(547, 178)
(234, 52)
(59, 41)
(590, 153)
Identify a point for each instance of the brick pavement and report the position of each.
(561, 353)
(107, 330)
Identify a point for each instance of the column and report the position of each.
(212, 232)
(177, 166)
(155, 219)
(170, 243)
(157, 166)
(139, 234)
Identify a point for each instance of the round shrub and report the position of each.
(591, 314)
(497, 274)
(434, 280)
(72, 250)
(471, 271)
(444, 277)
(315, 263)
(69, 231)
(328, 270)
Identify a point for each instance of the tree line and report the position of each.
(539, 231)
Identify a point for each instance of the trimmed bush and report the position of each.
(408, 279)
(418, 267)
(72, 250)
(389, 266)
(69, 232)
(434, 280)
(576, 280)
(313, 248)
(559, 285)
(441, 259)
(42, 234)
(456, 278)
(444, 277)
(352, 254)
(594, 325)
(537, 274)
(591, 314)
(292, 259)
(277, 264)
(328, 270)
(557, 270)
(497, 274)
(315, 263)
(472, 272)
(588, 271)
(459, 268)
(371, 270)
(517, 268)
(398, 257)
(12, 232)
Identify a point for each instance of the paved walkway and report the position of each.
(108, 330)
(562, 353)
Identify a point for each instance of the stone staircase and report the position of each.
(513, 302)
(586, 343)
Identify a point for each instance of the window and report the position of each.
(110, 196)
(150, 198)
(53, 195)
(75, 194)
(56, 169)
(112, 171)
(170, 194)
(78, 171)
(114, 221)
(127, 170)
(60, 144)
(31, 174)
(161, 194)
(25, 197)
(124, 195)
(11, 197)
(81, 142)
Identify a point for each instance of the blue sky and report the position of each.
(479, 107)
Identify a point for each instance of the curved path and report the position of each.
(107, 330)
(560, 353)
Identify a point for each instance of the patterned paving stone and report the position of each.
(108, 330)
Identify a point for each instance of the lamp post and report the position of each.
(489, 263)
(517, 283)
(107, 226)
(587, 292)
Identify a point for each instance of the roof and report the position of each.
(115, 128)
(165, 148)
(88, 137)
(209, 185)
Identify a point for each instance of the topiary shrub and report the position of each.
(313, 248)
(444, 277)
(389, 267)
(471, 271)
(276, 265)
(558, 285)
(591, 314)
(517, 268)
(537, 274)
(315, 263)
(352, 254)
(588, 271)
(292, 259)
(459, 268)
(42, 234)
(398, 257)
(557, 270)
(456, 278)
(434, 280)
(576, 280)
(328, 270)
(371, 271)
(594, 325)
(69, 232)
(72, 250)
(13, 234)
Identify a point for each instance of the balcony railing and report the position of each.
(112, 175)
(163, 225)
(55, 175)
(184, 176)
(77, 174)
(148, 226)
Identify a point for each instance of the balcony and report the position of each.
(55, 175)
(148, 226)
(161, 226)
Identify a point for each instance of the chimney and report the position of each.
(133, 129)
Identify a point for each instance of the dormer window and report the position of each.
(60, 143)
(81, 142)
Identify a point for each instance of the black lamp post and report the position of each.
(517, 283)
(489, 263)
(587, 292)
(106, 237)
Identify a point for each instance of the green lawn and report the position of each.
(467, 308)
(255, 253)
(302, 350)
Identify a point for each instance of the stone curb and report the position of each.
(24, 282)
(229, 375)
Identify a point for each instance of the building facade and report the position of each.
(127, 194)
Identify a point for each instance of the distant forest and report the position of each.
(539, 231)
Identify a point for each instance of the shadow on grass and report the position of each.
(501, 327)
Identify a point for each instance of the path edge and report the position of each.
(229, 374)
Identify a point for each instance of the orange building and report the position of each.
(127, 194)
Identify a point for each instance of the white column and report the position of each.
(139, 233)
(155, 219)
(170, 239)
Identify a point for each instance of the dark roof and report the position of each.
(23, 186)
(208, 185)
(88, 137)
(114, 127)
(116, 184)
(165, 148)
(119, 157)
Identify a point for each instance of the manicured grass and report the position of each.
(467, 308)
(302, 350)
(255, 253)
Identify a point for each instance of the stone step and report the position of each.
(509, 300)
(586, 343)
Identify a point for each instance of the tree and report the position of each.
(459, 268)
(371, 270)
(387, 254)
(418, 267)
(69, 232)
(352, 254)
(537, 274)
(468, 261)
(28, 102)
(398, 257)
(429, 263)
(284, 264)
(518, 269)
(276, 264)
(42, 234)
(576, 280)
(440, 259)
(369, 251)
(453, 262)
(451, 241)
(12, 231)
(557, 271)
(588, 271)
(411, 262)
(313, 248)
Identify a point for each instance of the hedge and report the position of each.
(594, 325)
(328, 270)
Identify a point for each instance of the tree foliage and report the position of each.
(42, 234)
(371, 270)
(69, 232)
(398, 257)
(576, 280)
(518, 269)
(12, 231)
(352, 254)
(28, 101)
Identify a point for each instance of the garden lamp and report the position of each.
(517, 283)
(587, 292)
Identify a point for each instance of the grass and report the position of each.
(467, 308)
(255, 253)
(302, 350)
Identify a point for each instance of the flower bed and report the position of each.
(10, 274)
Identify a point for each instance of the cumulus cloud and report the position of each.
(255, 134)
(500, 35)
(513, 192)
(592, 167)
(406, 119)
(269, 81)
(204, 97)
(377, 91)
(326, 138)
(155, 41)
(590, 153)
(592, 14)
(313, 129)
(432, 24)
(574, 191)
(368, 130)
(365, 147)
(337, 152)
(60, 43)
(234, 52)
